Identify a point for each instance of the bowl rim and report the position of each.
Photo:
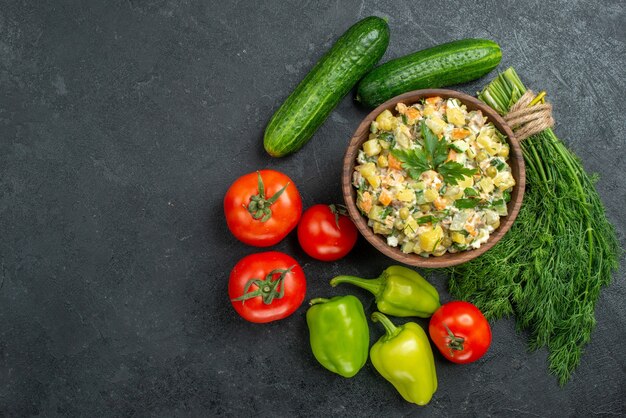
(516, 161)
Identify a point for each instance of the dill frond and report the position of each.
(549, 268)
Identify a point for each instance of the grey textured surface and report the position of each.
(121, 127)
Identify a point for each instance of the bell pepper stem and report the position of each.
(317, 300)
(372, 285)
(390, 328)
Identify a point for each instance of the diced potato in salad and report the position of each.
(426, 205)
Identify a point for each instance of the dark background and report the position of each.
(121, 127)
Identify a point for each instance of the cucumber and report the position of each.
(443, 65)
(350, 58)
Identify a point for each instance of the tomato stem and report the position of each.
(269, 289)
(455, 343)
(338, 209)
(259, 206)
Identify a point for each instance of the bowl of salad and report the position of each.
(433, 178)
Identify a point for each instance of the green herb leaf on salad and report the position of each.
(386, 136)
(413, 161)
(432, 157)
(466, 203)
(452, 172)
(386, 212)
(426, 219)
(469, 192)
(436, 150)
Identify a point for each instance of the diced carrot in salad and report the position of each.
(412, 114)
(385, 197)
(365, 202)
(460, 133)
(434, 101)
(393, 162)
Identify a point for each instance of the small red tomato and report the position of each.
(460, 331)
(261, 208)
(267, 286)
(326, 233)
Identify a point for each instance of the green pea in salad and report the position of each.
(433, 178)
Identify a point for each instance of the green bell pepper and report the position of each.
(403, 356)
(339, 334)
(399, 291)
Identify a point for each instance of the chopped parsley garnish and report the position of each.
(386, 212)
(432, 157)
(466, 203)
(426, 219)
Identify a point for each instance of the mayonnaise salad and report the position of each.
(434, 177)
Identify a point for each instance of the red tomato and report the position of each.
(267, 286)
(326, 233)
(460, 331)
(261, 208)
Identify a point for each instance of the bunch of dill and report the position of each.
(549, 268)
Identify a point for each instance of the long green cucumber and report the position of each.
(443, 65)
(350, 58)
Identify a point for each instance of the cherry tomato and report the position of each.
(326, 233)
(460, 331)
(261, 208)
(267, 286)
